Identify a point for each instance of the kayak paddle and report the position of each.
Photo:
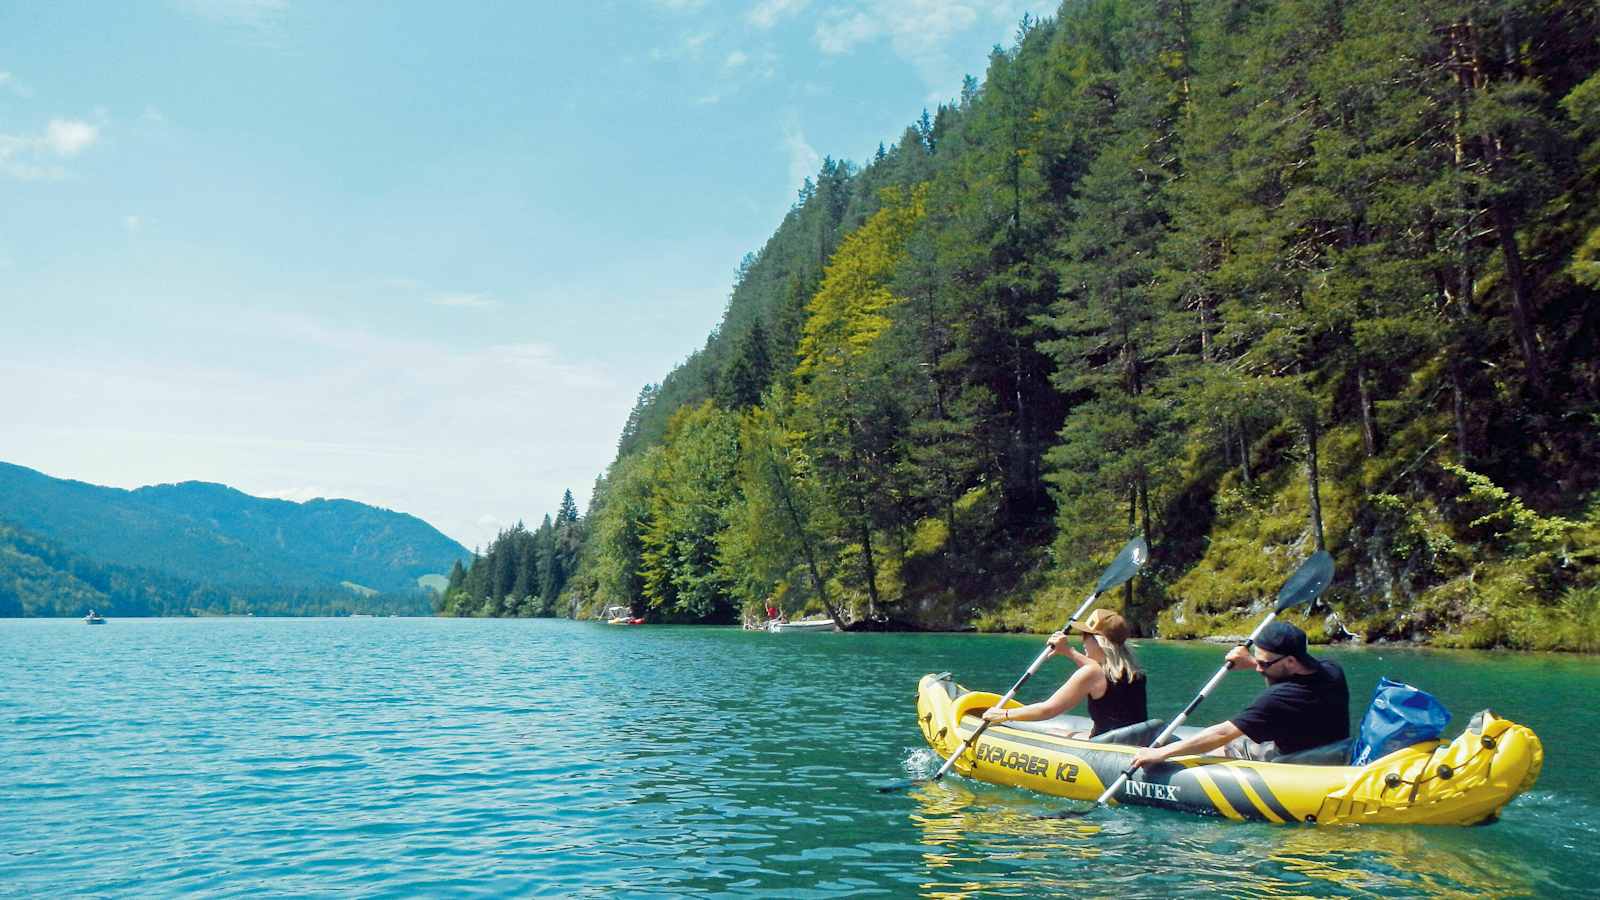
(1134, 555)
(1307, 583)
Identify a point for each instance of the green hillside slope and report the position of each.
(214, 535)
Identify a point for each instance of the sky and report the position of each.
(423, 256)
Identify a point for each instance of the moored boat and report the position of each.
(622, 615)
(94, 618)
(801, 625)
(1461, 782)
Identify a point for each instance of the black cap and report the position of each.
(1284, 639)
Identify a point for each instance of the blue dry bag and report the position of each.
(1399, 716)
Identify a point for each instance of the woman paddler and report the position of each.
(1108, 677)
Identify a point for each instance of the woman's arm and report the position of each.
(1070, 694)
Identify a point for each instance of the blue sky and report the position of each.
(418, 255)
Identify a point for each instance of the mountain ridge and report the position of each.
(213, 534)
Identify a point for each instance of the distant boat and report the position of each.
(622, 615)
(94, 618)
(802, 625)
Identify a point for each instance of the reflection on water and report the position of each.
(982, 840)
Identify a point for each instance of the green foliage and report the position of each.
(1249, 278)
(39, 577)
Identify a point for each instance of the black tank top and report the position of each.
(1122, 704)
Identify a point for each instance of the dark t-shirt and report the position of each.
(1301, 712)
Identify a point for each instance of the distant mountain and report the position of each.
(214, 536)
(40, 578)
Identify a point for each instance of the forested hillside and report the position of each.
(522, 573)
(1248, 277)
(176, 548)
(40, 578)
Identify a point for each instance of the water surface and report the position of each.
(417, 756)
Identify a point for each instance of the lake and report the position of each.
(443, 757)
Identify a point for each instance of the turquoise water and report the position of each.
(443, 757)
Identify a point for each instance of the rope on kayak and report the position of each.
(1443, 773)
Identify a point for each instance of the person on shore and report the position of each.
(1108, 678)
(1306, 704)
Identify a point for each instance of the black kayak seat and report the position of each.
(1334, 754)
(1136, 735)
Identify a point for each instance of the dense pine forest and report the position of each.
(1250, 278)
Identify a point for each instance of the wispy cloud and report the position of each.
(36, 157)
(918, 31)
(767, 13)
(804, 160)
(463, 301)
(843, 31)
(259, 23)
(691, 47)
(679, 6)
(256, 14)
(10, 85)
(298, 406)
(133, 224)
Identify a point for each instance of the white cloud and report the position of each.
(735, 59)
(767, 13)
(69, 137)
(918, 31)
(463, 301)
(679, 6)
(132, 223)
(804, 160)
(297, 406)
(842, 33)
(691, 47)
(34, 157)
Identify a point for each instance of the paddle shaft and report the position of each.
(1037, 662)
(1193, 705)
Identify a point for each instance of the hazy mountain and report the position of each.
(214, 536)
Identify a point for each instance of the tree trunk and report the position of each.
(1244, 458)
(1369, 428)
(1521, 297)
(817, 583)
(867, 560)
(1313, 481)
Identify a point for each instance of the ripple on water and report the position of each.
(405, 758)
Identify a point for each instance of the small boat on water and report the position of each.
(1464, 781)
(823, 623)
(622, 615)
(94, 618)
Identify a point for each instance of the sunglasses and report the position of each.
(1265, 664)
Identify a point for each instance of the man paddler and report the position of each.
(1306, 704)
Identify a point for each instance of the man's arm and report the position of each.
(1204, 742)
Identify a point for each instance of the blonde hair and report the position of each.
(1120, 664)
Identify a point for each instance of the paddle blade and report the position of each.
(1125, 566)
(895, 787)
(1308, 582)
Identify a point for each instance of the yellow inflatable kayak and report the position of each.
(1460, 782)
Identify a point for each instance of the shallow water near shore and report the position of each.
(420, 756)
